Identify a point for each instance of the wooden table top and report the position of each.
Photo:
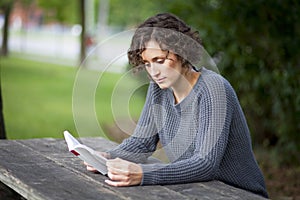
(42, 169)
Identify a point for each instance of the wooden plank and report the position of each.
(213, 190)
(44, 169)
(50, 162)
(52, 148)
(36, 177)
(237, 193)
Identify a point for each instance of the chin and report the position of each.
(162, 86)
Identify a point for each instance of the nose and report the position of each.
(154, 70)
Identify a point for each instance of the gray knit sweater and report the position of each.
(205, 137)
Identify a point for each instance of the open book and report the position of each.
(86, 153)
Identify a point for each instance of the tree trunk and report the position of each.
(2, 129)
(7, 10)
(83, 37)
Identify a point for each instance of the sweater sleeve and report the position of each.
(214, 122)
(138, 147)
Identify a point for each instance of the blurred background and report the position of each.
(254, 43)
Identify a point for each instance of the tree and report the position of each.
(132, 12)
(6, 6)
(83, 30)
(65, 12)
(2, 127)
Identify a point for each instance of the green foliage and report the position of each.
(258, 42)
(4, 3)
(131, 12)
(66, 11)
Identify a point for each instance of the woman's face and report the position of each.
(163, 66)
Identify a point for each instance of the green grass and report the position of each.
(37, 99)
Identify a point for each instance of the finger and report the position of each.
(117, 177)
(116, 183)
(91, 169)
(117, 170)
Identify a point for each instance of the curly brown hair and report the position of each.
(172, 34)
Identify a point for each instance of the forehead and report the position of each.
(152, 50)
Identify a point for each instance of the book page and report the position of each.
(86, 153)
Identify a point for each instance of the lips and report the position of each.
(160, 80)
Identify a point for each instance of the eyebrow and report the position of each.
(158, 57)
(155, 58)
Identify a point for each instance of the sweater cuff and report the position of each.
(149, 174)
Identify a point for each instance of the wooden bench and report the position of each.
(44, 169)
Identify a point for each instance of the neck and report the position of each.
(185, 85)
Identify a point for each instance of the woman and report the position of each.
(195, 114)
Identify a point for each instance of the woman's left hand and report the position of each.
(123, 173)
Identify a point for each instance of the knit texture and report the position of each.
(205, 137)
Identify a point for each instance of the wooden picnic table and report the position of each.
(41, 169)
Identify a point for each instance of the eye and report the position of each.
(147, 65)
(160, 61)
